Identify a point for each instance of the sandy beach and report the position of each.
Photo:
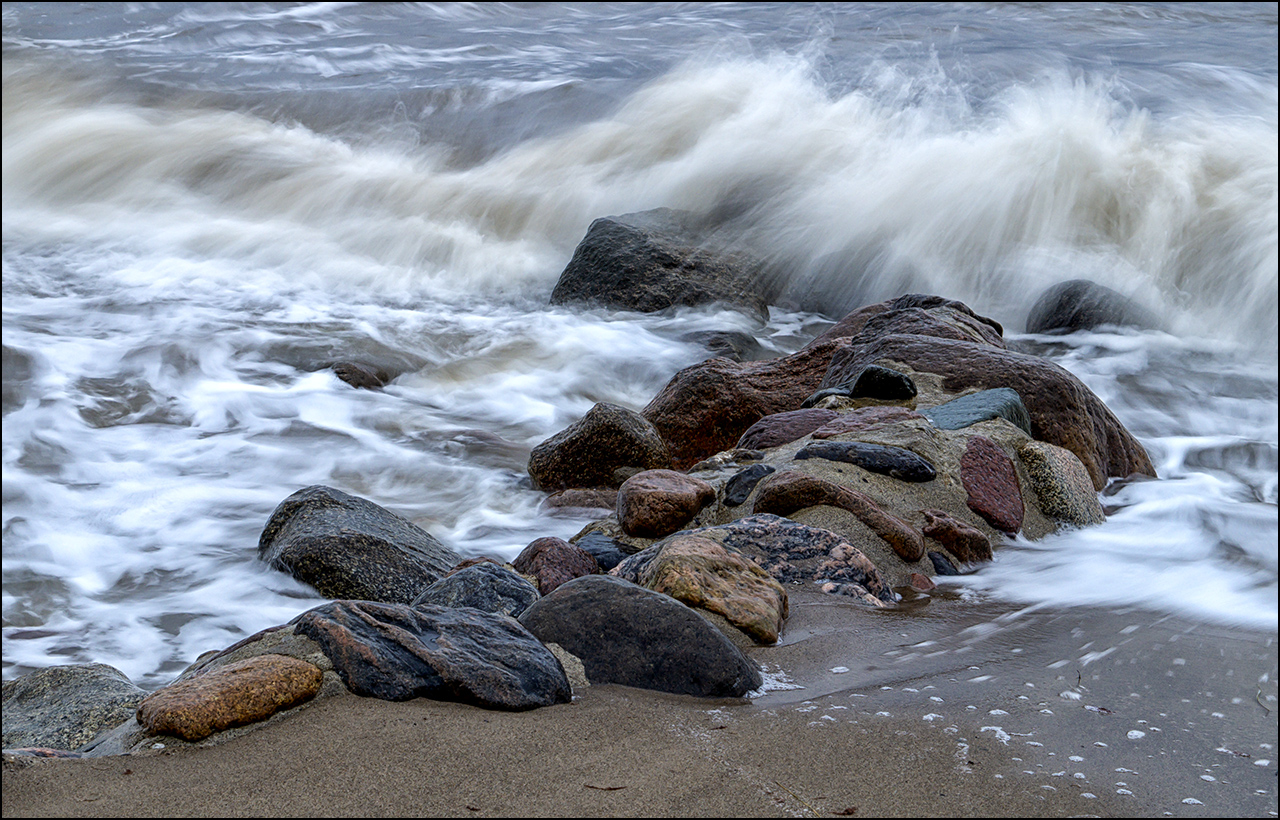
(945, 707)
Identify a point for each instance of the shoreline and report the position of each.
(947, 707)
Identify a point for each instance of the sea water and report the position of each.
(205, 205)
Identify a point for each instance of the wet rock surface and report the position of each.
(780, 428)
(236, 694)
(862, 419)
(485, 586)
(633, 636)
(1080, 304)
(966, 411)
(874, 382)
(348, 547)
(553, 561)
(739, 488)
(963, 540)
(602, 449)
(396, 652)
(65, 707)
(891, 461)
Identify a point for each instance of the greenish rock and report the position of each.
(65, 707)
(999, 403)
(1061, 484)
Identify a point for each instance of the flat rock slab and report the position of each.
(863, 418)
(702, 573)
(1061, 484)
(65, 707)
(348, 547)
(553, 561)
(991, 482)
(782, 428)
(877, 458)
(785, 492)
(738, 488)
(633, 636)
(656, 503)
(396, 652)
(1000, 403)
(236, 694)
(485, 586)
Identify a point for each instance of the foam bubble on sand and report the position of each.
(1000, 734)
(774, 680)
(1135, 734)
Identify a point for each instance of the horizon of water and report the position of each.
(206, 204)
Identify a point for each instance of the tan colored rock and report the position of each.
(659, 502)
(704, 574)
(232, 695)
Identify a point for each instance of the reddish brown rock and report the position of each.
(864, 418)
(919, 314)
(600, 498)
(601, 449)
(553, 561)
(1063, 410)
(785, 492)
(782, 428)
(237, 694)
(659, 502)
(992, 484)
(922, 583)
(704, 574)
(963, 540)
(706, 407)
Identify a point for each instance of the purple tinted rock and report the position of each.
(963, 540)
(864, 418)
(554, 561)
(782, 428)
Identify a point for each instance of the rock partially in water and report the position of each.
(1080, 304)
(65, 707)
(348, 547)
(602, 449)
(963, 540)
(629, 635)
(1061, 484)
(397, 652)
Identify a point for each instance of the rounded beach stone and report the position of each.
(738, 488)
(781, 428)
(65, 707)
(591, 451)
(659, 502)
(486, 586)
(236, 694)
(991, 482)
(1061, 484)
(894, 462)
(1080, 304)
(554, 561)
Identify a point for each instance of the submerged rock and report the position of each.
(1079, 304)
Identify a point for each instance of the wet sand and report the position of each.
(945, 707)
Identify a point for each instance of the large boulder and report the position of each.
(486, 585)
(702, 573)
(1079, 304)
(652, 260)
(396, 652)
(602, 449)
(707, 407)
(629, 635)
(917, 313)
(348, 547)
(65, 707)
(659, 502)
(1062, 410)
(239, 693)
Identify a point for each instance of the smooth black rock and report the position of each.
(397, 652)
(65, 707)
(366, 376)
(630, 635)
(348, 547)
(1002, 402)
(489, 587)
(1081, 305)
(877, 458)
(874, 382)
(607, 552)
(656, 259)
(738, 488)
(942, 564)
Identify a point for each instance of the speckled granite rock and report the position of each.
(1061, 484)
(553, 561)
(602, 449)
(348, 547)
(704, 574)
(64, 707)
(659, 502)
(236, 694)
(486, 586)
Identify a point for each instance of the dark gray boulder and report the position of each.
(874, 382)
(738, 488)
(65, 707)
(486, 586)
(652, 260)
(396, 652)
(633, 636)
(1079, 304)
(607, 552)
(602, 449)
(347, 547)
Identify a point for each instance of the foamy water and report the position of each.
(205, 206)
